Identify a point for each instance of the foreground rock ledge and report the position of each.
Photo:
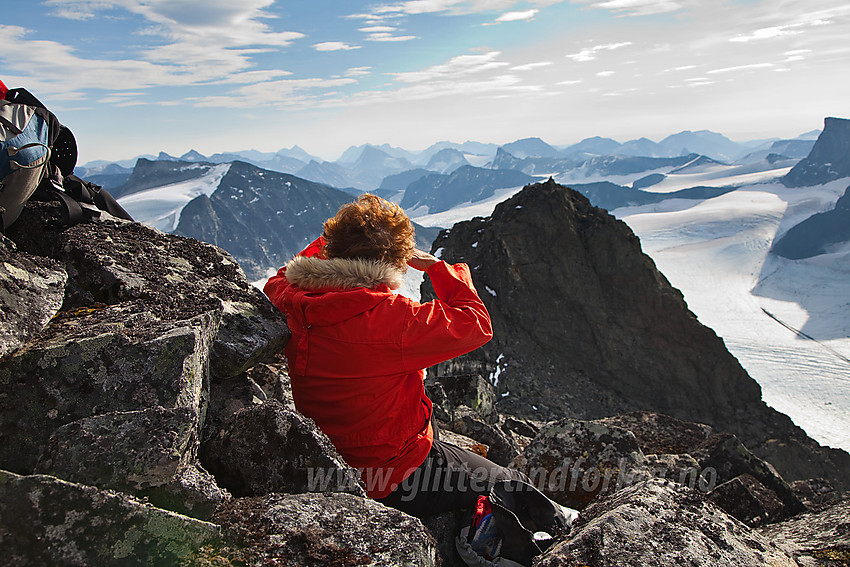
(48, 521)
(662, 523)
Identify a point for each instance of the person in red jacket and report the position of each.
(358, 351)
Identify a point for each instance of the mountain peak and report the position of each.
(584, 325)
(530, 147)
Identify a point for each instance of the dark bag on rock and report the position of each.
(513, 524)
(37, 153)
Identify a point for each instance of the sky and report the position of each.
(133, 77)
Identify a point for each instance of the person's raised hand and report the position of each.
(421, 260)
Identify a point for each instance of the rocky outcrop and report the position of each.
(269, 448)
(573, 462)
(48, 521)
(662, 523)
(31, 292)
(586, 327)
(151, 453)
(816, 538)
(829, 158)
(316, 529)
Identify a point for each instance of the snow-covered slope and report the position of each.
(160, 207)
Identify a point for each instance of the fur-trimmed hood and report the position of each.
(313, 273)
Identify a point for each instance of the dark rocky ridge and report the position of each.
(153, 361)
(829, 158)
(586, 326)
(147, 174)
(817, 233)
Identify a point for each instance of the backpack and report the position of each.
(513, 524)
(37, 160)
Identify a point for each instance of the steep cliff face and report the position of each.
(829, 158)
(586, 326)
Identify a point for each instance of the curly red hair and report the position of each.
(371, 228)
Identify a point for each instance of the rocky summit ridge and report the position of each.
(146, 418)
(585, 326)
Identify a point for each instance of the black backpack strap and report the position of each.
(88, 192)
(50, 189)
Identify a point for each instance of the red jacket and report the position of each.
(357, 354)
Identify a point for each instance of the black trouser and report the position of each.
(450, 478)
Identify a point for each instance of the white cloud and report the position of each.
(530, 66)
(254, 77)
(378, 29)
(766, 33)
(589, 53)
(334, 46)
(456, 67)
(634, 7)
(741, 68)
(60, 71)
(604, 73)
(284, 93)
(221, 35)
(452, 7)
(772, 32)
(358, 71)
(525, 15)
(389, 37)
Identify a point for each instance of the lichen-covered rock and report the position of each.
(148, 453)
(501, 448)
(663, 524)
(523, 427)
(111, 261)
(573, 461)
(127, 451)
(115, 262)
(657, 433)
(269, 448)
(31, 292)
(100, 360)
(47, 521)
(745, 498)
(252, 331)
(259, 384)
(466, 390)
(681, 468)
(192, 491)
(322, 529)
(817, 538)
